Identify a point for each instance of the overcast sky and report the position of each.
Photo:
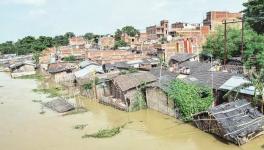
(20, 18)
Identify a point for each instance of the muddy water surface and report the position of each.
(22, 127)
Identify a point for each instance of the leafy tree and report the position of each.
(89, 36)
(189, 98)
(254, 14)
(119, 43)
(253, 46)
(7, 48)
(130, 30)
(215, 43)
(69, 35)
(30, 44)
(118, 35)
(60, 41)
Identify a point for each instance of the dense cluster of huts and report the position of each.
(120, 84)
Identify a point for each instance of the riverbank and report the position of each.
(23, 127)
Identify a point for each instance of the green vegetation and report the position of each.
(129, 30)
(253, 46)
(92, 37)
(257, 80)
(105, 133)
(190, 99)
(52, 92)
(120, 43)
(80, 126)
(140, 102)
(37, 76)
(30, 44)
(37, 101)
(69, 58)
(139, 97)
(89, 85)
(78, 110)
(254, 14)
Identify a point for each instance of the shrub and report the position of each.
(190, 99)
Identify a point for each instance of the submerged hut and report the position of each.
(62, 73)
(22, 69)
(156, 93)
(237, 122)
(125, 89)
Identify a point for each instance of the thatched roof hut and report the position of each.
(237, 121)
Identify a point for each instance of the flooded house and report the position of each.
(156, 93)
(22, 69)
(87, 71)
(125, 89)
(87, 79)
(210, 79)
(237, 122)
(244, 93)
(62, 73)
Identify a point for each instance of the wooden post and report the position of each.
(225, 59)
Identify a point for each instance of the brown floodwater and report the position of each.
(22, 127)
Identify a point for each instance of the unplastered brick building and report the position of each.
(216, 18)
(155, 32)
(112, 56)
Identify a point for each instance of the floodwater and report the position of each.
(22, 127)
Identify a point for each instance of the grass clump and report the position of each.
(105, 133)
(52, 92)
(36, 101)
(80, 127)
(38, 77)
(78, 110)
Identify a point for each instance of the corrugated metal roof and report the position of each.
(236, 81)
(88, 70)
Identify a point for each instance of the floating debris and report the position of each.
(78, 110)
(2, 103)
(42, 112)
(59, 105)
(37, 101)
(80, 127)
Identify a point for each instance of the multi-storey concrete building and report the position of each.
(156, 32)
(216, 18)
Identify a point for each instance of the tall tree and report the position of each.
(69, 35)
(215, 43)
(118, 35)
(130, 30)
(88, 36)
(60, 40)
(254, 14)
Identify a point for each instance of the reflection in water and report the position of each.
(22, 124)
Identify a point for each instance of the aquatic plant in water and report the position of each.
(52, 92)
(105, 133)
(80, 126)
